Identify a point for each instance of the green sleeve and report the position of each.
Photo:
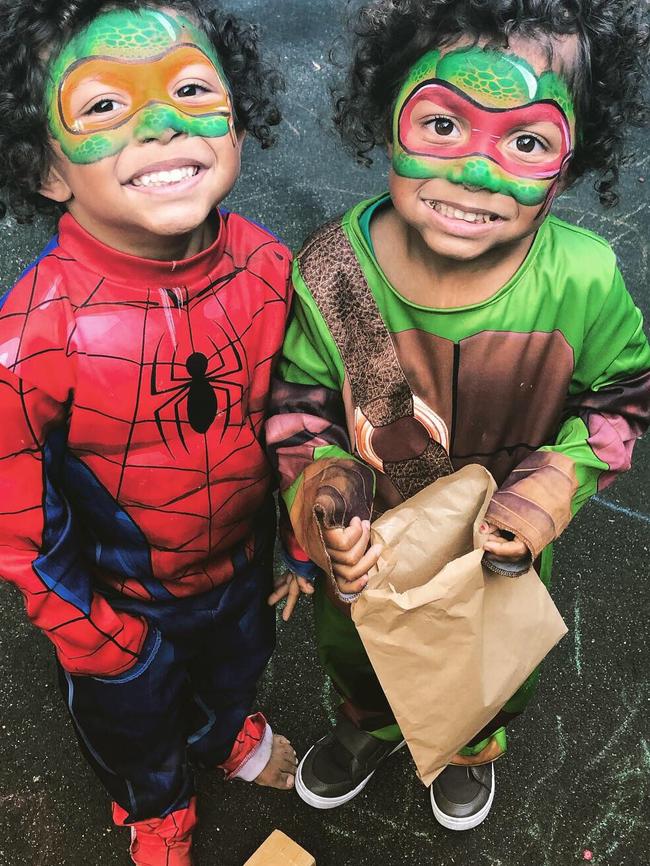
(607, 409)
(310, 355)
(610, 395)
(308, 440)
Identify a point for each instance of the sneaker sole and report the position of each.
(467, 823)
(319, 802)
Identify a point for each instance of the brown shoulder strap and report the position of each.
(332, 272)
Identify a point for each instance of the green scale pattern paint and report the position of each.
(495, 80)
(132, 35)
(490, 78)
(157, 118)
(472, 171)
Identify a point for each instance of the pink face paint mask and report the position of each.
(489, 127)
(484, 118)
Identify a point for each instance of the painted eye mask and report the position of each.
(488, 100)
(99, 102)
(142, 90)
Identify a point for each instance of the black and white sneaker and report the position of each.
(340, 765)
(461, 797)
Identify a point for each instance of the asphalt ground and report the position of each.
(577, 776)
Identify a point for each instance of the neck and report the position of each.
(162, 248)
(458, 282)
(432, 280)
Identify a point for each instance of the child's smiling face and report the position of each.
(141, 118)
(481, 141)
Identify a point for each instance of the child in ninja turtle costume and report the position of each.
(136, 355)
(455, 320)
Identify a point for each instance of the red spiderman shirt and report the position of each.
(133, 396)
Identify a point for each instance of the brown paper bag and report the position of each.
(449, 640)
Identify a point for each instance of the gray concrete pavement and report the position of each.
(578, 773)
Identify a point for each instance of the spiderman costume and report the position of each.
(136, 513)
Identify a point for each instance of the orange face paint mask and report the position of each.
(181, 88)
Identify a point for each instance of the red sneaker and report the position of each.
(161, 841)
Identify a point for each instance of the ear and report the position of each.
(566, 178)
(55, 186)
(563, 184)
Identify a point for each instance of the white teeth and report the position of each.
(160, 178)
(456, 213)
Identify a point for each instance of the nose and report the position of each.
(158, 123)
(479, 173)
(163, 137)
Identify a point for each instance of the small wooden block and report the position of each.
(280, 850)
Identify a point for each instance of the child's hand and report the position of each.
(350, 555)
(289, 586)
(505, 546)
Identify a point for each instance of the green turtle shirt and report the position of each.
(546, 383)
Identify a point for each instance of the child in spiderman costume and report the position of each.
(454, 320)
(136, 353)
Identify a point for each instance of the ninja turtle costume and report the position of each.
(546, 383)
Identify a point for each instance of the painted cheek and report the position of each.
(80, 150)
(91, 149)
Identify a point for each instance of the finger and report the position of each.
(352, 587)
(305, 585)
(292, 599)
(343, 538)
(507, 549)
(280, 579)
(354, 554)
(496, 538)
(498, 534)
(354, 572)
(278, 594)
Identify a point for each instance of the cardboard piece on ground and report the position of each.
(280, 850)
(449, 641)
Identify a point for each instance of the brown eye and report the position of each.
(103, 106)
(443, 126)
(191, 90)
(526, 143)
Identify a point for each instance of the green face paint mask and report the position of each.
(484, 118)
(135, 75)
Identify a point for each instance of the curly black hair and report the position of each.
(607, 82)
(32, 31)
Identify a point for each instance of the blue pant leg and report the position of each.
(234, 654)
(133, 730)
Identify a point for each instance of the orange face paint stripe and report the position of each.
(143, 83)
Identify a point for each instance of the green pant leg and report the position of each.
(345, 661)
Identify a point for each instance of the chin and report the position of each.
(457, 249)
(179, 225)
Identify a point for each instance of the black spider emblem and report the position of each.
(208, 378)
